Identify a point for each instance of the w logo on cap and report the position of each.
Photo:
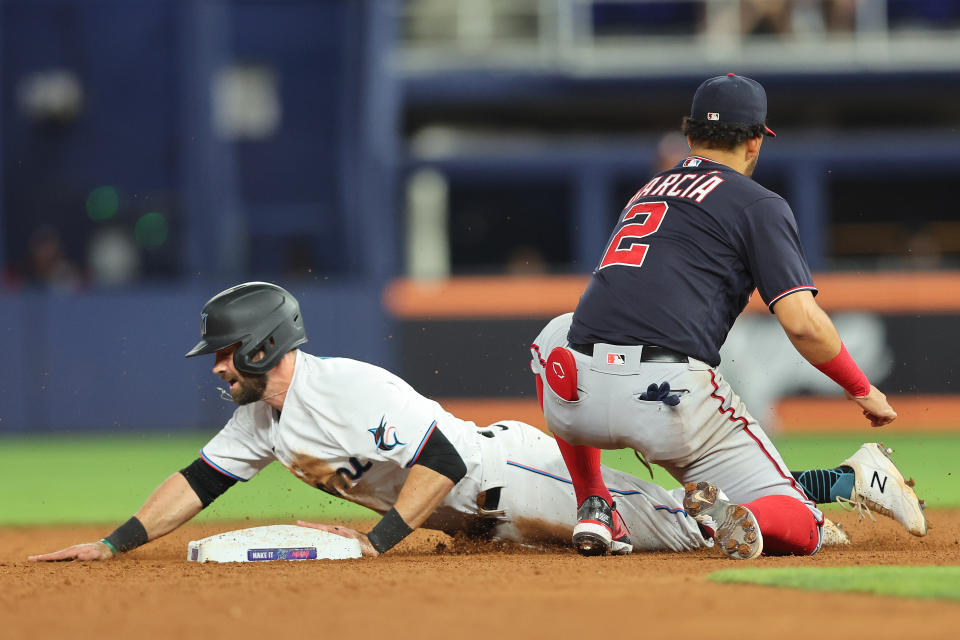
(713, 116)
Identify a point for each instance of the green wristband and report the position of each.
(112, 548)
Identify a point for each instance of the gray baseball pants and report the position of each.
(709, 435)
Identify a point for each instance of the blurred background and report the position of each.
(435, 179)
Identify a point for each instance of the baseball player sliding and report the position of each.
(637, 366)
(359, 432)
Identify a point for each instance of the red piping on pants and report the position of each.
(714, 394)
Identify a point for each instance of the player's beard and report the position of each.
(249, 388)
(751, 166)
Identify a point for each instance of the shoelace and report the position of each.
(861, 506)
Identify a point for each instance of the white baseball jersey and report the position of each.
(349, 428)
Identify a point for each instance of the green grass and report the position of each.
(101, 478)
(106, 479)
(911, 582)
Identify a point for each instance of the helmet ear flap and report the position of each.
(243, 357)
(284, 337)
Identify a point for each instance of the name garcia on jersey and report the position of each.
(691, 186)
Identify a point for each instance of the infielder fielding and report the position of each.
(358, 432)
(680, 266)
(866, 481)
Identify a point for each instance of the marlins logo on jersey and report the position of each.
(381, 436)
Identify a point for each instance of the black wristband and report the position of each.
(389, 531)
(127, 536)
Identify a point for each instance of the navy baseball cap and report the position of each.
(731, 98)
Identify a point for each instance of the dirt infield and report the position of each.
(435, 587)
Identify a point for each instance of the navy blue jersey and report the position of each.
(688, 251)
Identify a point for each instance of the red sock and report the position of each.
(583, 463)
(787, 525)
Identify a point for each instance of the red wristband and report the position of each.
(845, 372)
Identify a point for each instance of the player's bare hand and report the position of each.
(875, 407)
(365, 547)
(86, 551)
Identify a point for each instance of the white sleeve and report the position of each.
(407, 422)
(238, 450)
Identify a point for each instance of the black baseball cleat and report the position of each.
(594, 530)
(732, 526)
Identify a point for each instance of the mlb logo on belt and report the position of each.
(616, 358)
(713, 116)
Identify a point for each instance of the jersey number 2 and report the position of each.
(625, 248)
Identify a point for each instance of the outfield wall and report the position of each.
(466, 341)
(114, 361)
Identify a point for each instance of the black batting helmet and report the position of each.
(257, 315)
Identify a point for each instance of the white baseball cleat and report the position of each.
(879, 486)
(833, 535)
(732, 526)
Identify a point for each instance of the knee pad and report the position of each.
(561, 373)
